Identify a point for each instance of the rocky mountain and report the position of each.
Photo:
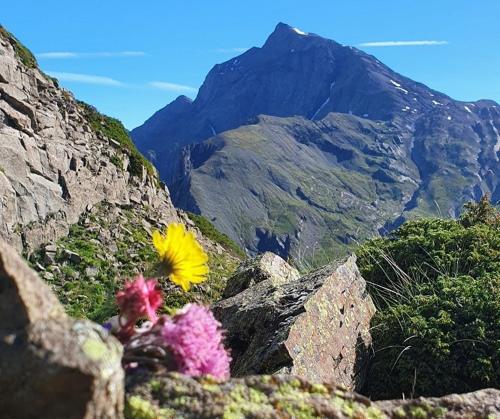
(60, 158)
(76, 197)
(304, 146)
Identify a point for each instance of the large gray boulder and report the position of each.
(52, 366)
(316, 327)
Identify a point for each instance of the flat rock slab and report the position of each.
(52, 366)
(316, 327)
(284, 396)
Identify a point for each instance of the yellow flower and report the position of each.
(182, 257)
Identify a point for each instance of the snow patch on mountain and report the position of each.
(398, 86)
(496, 147)
(297, 30)
(324, 103)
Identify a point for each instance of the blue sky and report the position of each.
(131, 58)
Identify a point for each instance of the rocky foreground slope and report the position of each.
(54, 367)
(316, 145)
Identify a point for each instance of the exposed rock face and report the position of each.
(317, 145)
(266, 266)
(76, 197)
(287, 397)
(53, 164)
(316, 326)
(52, 366)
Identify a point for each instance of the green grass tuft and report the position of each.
(117, 161)
(24, 54)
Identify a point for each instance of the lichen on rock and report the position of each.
(283, 396)
(50, 364)
(316, 326)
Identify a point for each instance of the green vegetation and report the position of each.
(114, 129)
(210, 232)
(139, 408)
(436, 284)
(107, 247)
(117, 161)
(24, 54)
(313, 188)
(55, 81)
(86, 283)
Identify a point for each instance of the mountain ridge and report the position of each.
(241, 88)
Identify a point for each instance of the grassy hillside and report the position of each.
(316, 190)
(107, 247)
(210, 232)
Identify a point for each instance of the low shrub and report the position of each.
(436, 284)
(24, 54)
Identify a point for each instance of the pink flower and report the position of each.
(139, 298)
(194, 338)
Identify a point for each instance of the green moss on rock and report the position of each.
(250, 397)
(138, 408)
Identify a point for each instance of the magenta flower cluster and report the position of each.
(192, 338)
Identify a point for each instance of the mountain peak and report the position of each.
(295, 73)
(183, 99)
(286, 35)
(285, 28)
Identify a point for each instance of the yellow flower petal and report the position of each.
(182, 257)
(158, 242)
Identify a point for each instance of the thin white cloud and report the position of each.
(56, 55)
(68, 54)
(172, 87)
(232, 50)
(401, 43)
(85, 78)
